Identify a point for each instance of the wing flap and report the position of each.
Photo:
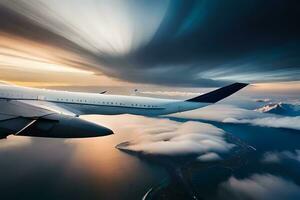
(51, 107)
(18, 108)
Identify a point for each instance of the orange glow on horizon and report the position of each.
(293, 85)
(27, 63)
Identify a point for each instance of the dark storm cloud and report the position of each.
(232, 37)
(197, 43)
(227, 29)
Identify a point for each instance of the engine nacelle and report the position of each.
(54, 126)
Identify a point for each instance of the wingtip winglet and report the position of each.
(219, 94)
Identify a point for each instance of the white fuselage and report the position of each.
(93, 103)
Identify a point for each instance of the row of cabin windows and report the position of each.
(85, 101)
(12, 95)
(109, 103)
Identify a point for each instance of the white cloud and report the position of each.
(218, 112)
(167, 137)
(260, 186)
(274, 122)
(209, 157)
(186, 138)
(232, 114)
(276, 157)
(271, 157)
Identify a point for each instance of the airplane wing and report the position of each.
(27, 119)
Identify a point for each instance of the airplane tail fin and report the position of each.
(219, 94)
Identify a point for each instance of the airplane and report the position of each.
(50, 113)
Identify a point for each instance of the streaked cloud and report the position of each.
(177, 43)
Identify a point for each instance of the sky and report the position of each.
(191, 44)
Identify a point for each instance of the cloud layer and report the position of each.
(233, 114)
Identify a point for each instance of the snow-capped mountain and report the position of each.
(287, 109)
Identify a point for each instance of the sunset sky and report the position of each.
(245, 146)
(130, 43)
